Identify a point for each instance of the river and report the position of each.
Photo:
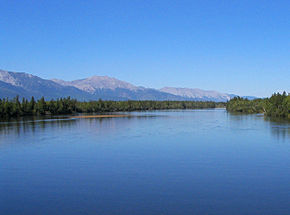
(159, 162)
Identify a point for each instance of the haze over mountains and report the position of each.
(96, 87)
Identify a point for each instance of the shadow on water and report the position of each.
(279, 128)
(38, 124)
(31, 124)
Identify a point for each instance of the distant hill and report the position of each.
(27, 85)
(8, 90)
(94, 88)
(95, 83)
(105, 87)
(197, 94)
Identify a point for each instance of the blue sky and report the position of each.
(240, 47)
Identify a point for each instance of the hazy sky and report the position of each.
(234, 46)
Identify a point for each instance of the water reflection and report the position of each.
(278, 128)
(30, 125)
(46, 125)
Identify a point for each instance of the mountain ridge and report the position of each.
(97, 87)
(196, 93)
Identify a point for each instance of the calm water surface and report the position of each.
(166, 162)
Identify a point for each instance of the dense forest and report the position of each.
(17, 108)
(278, 105)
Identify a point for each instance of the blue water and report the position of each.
(160, 162)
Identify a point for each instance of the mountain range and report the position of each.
(96, 87)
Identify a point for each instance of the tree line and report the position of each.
(278, 105)
(17, 107)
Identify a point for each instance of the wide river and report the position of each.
(159, 162)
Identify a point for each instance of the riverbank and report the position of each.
(277, 106)
(14, 108)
